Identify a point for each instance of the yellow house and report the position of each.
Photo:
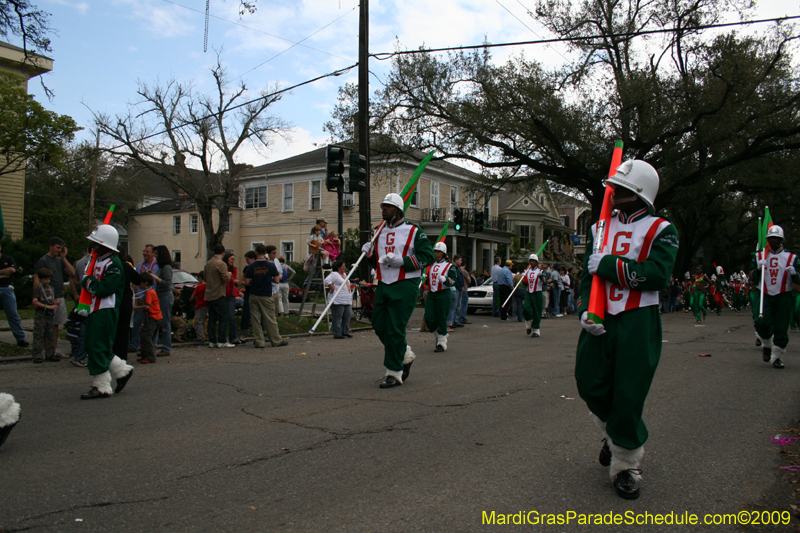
(280, 202)
(12, 185)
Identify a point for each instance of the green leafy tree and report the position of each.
(28, 130)
(711, 114)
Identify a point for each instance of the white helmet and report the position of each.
(439, 246)
(533, 257)
(713, 277)
(720, 271)
(105, 235)
(775, 231)
(395, 200)
(639, 177)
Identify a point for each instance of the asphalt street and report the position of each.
(301, 438)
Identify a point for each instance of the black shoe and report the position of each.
(94, 393)
(535, 335)
(778, 363)
(5, 432)
(406, 371)
(339, 337)
(458, 325)
(348, 335)
(439, 348)
(626, 485)
(766, 354)
(23, 343)
(758, 342)
(389, 381)
(528, 331)
(605, 454)
(121, 382)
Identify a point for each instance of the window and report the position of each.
(288, 197)
(471, 200)
(193, 223)
(454, 196)
(254, 244)
(415, 198)
(565, 220)
(227, 224)
(524, 236)
(315, 195)
(287, 250)
(255, 197)
(176, 258)
(176, 225)
(434, 195)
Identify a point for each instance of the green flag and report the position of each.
(408, 192)
(765, 228)
(443, 234)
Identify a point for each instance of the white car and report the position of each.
(480, 297)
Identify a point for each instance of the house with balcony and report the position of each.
(279, 202)
(533, 216)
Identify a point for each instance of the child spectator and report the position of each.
(45, 305)
(332, 245)
(315, 241)
(200, 308)
(151, 321)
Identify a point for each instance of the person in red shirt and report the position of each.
(200, 308)
(151, 321)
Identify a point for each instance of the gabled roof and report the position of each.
(176, 205)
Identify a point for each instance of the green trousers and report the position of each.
(532, 308)
(391, 311)
(614, 372)
(775, 322)
(437, 305)
(101, 330)
(698, 304)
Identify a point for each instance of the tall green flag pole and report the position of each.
(407, 194)
(764, 229)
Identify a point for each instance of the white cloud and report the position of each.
(300, 141)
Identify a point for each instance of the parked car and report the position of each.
(295, 293)
(480, 297)
(181, 279)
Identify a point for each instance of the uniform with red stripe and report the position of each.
(632, 277)
(617, 359)
(780, 271)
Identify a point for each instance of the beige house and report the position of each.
(280, 202)
(536, 219)
(12, 185)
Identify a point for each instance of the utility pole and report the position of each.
(364, 214)
(94, 182)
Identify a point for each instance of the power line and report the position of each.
(271, 34)
(529, 28)
(388, 55)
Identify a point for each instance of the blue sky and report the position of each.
(102, 48)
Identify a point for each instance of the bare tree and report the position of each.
(173, 126)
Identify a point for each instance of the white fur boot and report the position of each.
(776, 357)
(119, 368)
(625, 459)
(395, 374)
(528, 326)
(9, 416)
(102, 382)
(536, 333)
(441, 341)
(9, 410)
(408, 358)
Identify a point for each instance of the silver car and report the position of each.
(480, 297)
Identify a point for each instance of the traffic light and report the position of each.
(458, 219)
(358, 172)
(334, 167)
(478, 221)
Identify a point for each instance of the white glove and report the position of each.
(442, 280)
(394, 260)
(367, 248)
(594, 262)
(791, 270)
(594, 329)
(762, 263)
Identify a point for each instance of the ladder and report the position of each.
(316, 278)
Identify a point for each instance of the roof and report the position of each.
(316, 159)
(565, 200)
(175, 206)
